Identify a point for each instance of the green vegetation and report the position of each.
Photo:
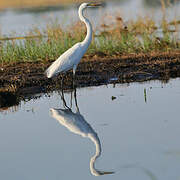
(140, 36)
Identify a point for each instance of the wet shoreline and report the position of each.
(27, 78)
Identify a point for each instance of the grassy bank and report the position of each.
(140, 36)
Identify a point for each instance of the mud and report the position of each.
(27, 78)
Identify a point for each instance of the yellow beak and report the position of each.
(94, 4)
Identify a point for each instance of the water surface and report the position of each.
(21, 21)
(137, 131)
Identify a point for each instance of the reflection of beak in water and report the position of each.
(76, 123)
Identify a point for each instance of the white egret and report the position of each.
(70, 59)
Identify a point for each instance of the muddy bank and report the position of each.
(26, 79)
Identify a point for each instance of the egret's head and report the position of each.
(83, 6)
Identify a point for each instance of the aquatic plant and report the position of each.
(139, 36)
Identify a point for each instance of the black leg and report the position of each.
(75, 99)
(62, 95)
(74, 77)
(71, 98)
(62, 83)
(73, 81)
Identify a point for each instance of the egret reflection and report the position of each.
(76, 123)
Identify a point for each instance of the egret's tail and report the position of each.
(47, 73)
(53, 70)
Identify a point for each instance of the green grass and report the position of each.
(138, 36)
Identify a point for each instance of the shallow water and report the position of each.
(21, 21)
(138, 132)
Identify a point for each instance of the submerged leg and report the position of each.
(64, 101)
(62, 96)
(71, 98)
(75, 99)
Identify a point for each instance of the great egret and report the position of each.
(76, 123)
(70, 59)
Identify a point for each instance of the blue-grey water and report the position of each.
(19, 22)
(136, 125)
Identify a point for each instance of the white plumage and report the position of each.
(65, 62)
(71, 58)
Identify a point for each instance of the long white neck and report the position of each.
(88, 37)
